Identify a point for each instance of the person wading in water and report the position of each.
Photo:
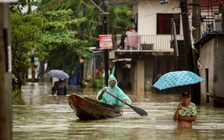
(186, 111)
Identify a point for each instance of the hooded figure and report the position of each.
(116, 91)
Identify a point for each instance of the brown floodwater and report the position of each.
(40, 116)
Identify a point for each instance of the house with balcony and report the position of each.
(157, 46)
(154, 49)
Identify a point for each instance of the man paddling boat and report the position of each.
(116, 91)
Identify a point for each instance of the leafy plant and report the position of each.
(25, 36)
(96, 83)
(59, 32)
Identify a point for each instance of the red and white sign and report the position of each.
(106, 41)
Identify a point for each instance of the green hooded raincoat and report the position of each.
(106, 98)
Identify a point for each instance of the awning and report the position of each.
(122, 59)
(97, 52)
(207, 38)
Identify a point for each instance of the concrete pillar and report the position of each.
(140, 78)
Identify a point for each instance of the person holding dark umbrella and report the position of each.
(186, 111)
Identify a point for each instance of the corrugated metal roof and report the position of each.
(209, 3)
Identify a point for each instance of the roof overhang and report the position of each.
(122, 60)
(207, 38)
(97, 52)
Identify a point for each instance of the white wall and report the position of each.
(206, 60)
(212, 58)
(147, 11)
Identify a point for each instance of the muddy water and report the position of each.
(40, 116)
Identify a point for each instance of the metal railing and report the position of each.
(144, 42)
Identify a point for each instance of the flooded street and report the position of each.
(41, 116)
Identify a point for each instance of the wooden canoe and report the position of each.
(216, 98)
(89, 109)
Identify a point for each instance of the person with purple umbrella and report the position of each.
(59, 87)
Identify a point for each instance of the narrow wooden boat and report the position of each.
(89, 109)
(216, 98)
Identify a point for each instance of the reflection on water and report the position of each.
(41, 116)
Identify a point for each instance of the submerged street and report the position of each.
(40, 116)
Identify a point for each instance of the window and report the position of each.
(164, 23)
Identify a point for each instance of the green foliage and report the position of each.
(59, 39)
(59, 32)
(16, 96)
(42, 34)
(16, 93)
(96, 84)
(119, 18)
(25, 35)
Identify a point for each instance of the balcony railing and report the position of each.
(160, 43)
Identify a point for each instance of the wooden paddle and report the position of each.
(136, 109)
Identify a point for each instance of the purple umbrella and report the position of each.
(58, 74)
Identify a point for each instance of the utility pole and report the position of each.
(5, 74)
(105, 51)
(196, 20)
(81, 61)
(196, 23)
(187, 40)
(186, 31)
